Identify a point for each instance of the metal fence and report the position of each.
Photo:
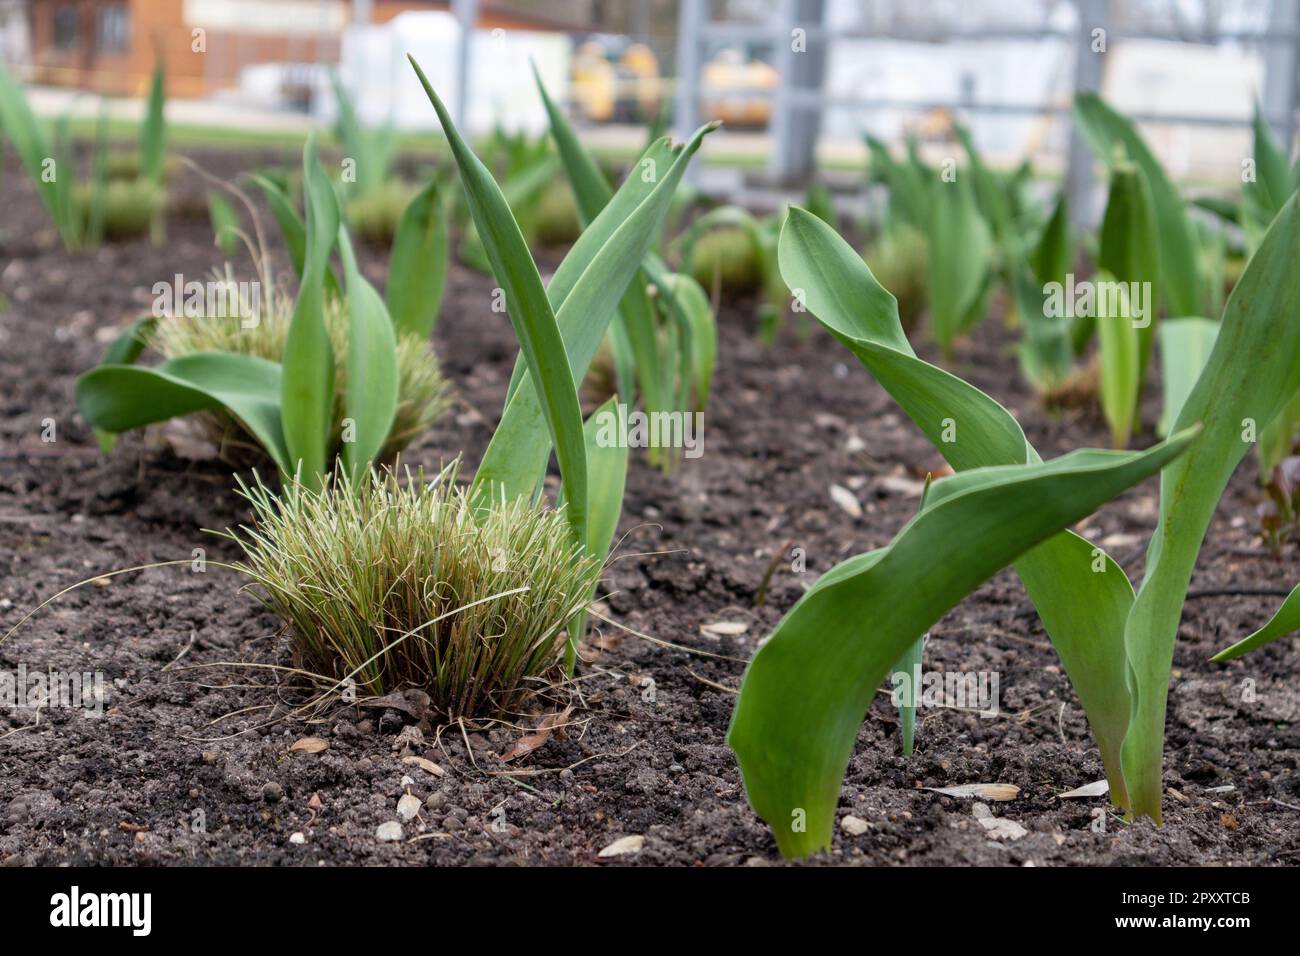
(801, 43)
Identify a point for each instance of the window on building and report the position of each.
(65, 27)
(114, 28)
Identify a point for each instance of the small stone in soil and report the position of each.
(854, 826)
(624, 846)
(408, 807)
(389, 832)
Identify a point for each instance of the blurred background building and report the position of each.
(798, 82)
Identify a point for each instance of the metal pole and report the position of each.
(465, 11)
(1280, 62)
(780, 160)
(801, 68)
(690, 26)
(1090, 47)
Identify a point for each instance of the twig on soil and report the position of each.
(1238, 592)
(468, 749)
(536, 772)
(668, 644)
(712, 683)
(761, 597)
(194, 636)
(107, 574)
(36, 721)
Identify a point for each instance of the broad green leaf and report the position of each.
(1105, 129)
(124, 350)
(371, 399)
(307, 381)
(1052, 258)
(960, 260)
(1284, 622)
(633, 335)
(1273, 182)
(1185, 346)
(225, 224)
(418, 266)
(517, 454)
(910, 185)
(690, 301)
(907, 673)
(1127, 250)
(990, 192)
(1119, 350)
(292, 229)
(522, 190)
(807, 690)
(117, 398)
(1251, 375)
(534, 321)
(152, 132)
(1082, 596)
(1044, 350)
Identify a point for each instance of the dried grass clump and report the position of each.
(400, 583)
(423, 394)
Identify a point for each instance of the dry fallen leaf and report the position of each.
(724, 628)
(1098, 789)
(428, 766)
(551, 723)
(309, 745)
(412, 701)
(989, 791)
(847, 501)
(623, 846)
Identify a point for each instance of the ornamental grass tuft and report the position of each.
(423, 394)
(400, 583)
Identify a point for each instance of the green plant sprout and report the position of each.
(105, 206)
(559, 328)
(805, 692)
(289, 406)
(663, 345)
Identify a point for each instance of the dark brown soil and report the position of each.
(182, 743)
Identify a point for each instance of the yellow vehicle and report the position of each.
(738, 90)
(625, 90)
